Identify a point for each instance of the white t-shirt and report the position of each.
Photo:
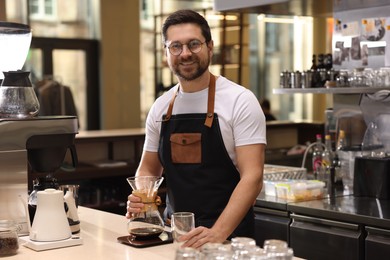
(241, 119)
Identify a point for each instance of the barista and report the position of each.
(207, 134)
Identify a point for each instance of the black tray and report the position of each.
(164, 238)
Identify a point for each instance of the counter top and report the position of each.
(360, 210)
(271, 202)
(110, 135)
(99, 231)
(341, 207)
(275, 203)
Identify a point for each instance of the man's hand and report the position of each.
(134, 205)
(199, 236)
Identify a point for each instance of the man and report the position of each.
(266, 107)
(207, 134)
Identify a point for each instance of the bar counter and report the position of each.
(99, 231)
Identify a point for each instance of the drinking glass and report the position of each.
(271, 244)
(239, 243)
(278, 249)
(187, 253)
(181, 224)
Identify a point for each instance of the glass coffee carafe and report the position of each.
(147, 223)
(17, 96)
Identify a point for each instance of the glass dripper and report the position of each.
(147, 223)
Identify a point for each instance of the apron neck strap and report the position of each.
(210, 103)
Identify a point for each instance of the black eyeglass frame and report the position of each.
(188, 46)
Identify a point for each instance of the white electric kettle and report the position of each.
(50, 221)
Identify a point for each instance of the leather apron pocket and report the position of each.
(186, 147)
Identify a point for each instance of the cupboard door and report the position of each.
(271, 224)
(315, 238)
(377, 243)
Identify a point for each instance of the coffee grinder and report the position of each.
(28, 144)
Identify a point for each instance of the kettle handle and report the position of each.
(75, 159)
(27, 213)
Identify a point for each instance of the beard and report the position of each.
(201, 67)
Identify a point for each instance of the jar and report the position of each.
(305, 80)
(285, 79)
(358, 78)
(298, 79)
(9, 241)
(291, 80)
(382, 78)
(342, 79)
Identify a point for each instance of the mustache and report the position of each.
(189, 59)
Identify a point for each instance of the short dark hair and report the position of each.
(187, 16)
(265, 104)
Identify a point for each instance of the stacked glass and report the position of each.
(240, 248)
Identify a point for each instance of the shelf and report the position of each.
(351, 90)
(87, 173)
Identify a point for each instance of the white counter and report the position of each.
(99, 231)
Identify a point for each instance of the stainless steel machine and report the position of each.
(34, 144)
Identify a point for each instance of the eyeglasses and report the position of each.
(176, 48)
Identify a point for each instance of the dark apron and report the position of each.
(199, 173)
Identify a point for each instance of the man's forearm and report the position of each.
(239, 203)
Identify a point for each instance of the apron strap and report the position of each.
(210, 103)
(170, 107)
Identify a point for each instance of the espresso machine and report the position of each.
(28, 144)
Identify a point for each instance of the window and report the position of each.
(281, 43)
(43, 9)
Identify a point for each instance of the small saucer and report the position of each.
(163, 238)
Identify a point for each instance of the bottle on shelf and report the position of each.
(327, 158)
(315, 73)
(341, 143)
(314, 63)
(317, 156)
(320, 62)
(328, 61)
(327, 155)
(344, 161)
(335, 172)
